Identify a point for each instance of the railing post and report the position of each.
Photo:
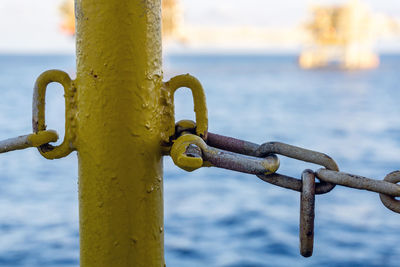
(119, 78)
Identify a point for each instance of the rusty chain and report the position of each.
(190, 152)
(193, 147)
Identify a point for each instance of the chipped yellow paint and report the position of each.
(118, 137)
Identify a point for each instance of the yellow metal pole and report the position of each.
(118, 134)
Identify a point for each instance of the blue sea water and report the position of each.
(216, 217)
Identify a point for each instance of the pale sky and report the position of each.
(28, 26)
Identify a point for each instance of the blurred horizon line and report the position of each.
(211, 52)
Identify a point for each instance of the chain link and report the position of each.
(307, 213)
(359, 182)
(251, 149)
(190, 152)
(389, 201)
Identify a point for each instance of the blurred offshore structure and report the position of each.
(68, 20)
(172, 18)
(342, 34)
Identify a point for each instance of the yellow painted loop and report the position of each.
(42, 137)
(199, 101)
(185, 125)
(179, 148)
(38, 112)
